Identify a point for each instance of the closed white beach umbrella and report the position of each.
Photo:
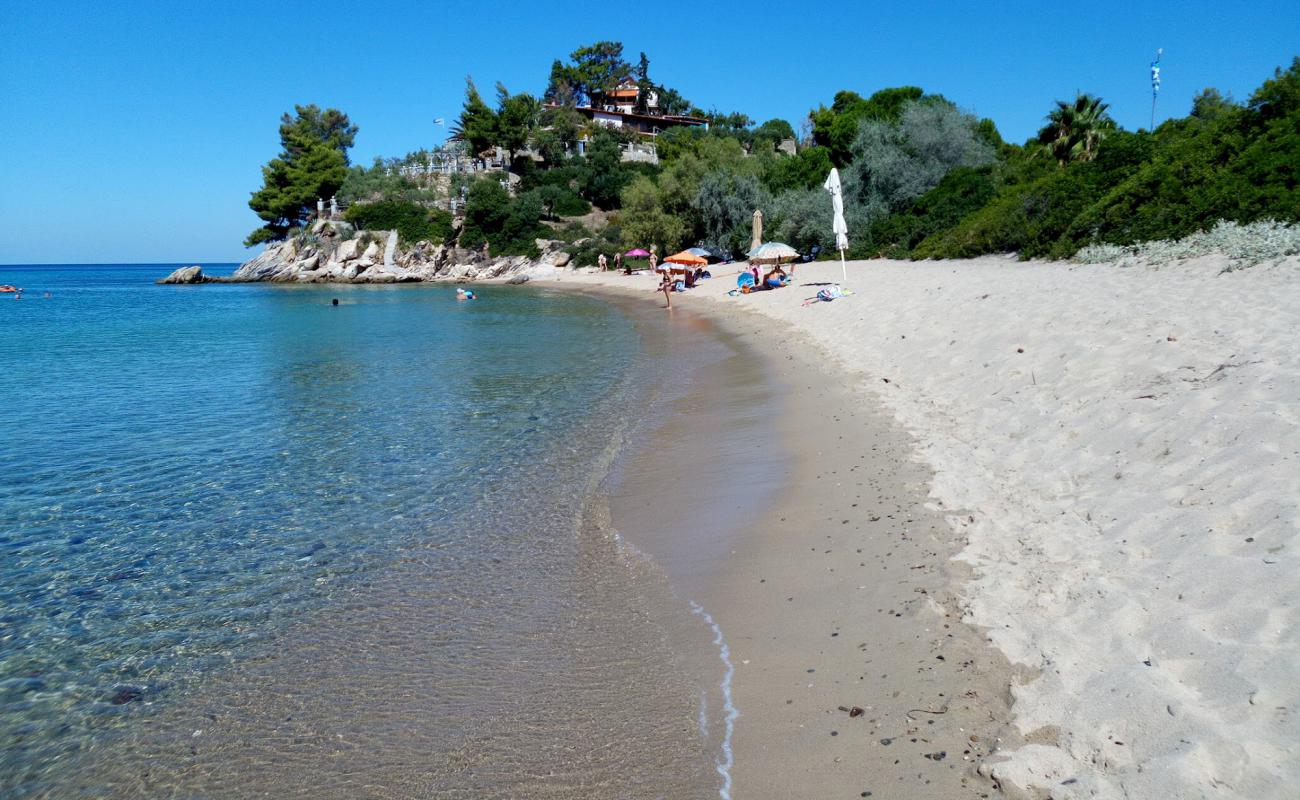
(841, 229)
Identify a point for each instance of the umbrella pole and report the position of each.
(843, 266)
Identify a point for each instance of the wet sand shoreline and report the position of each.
(839, 594)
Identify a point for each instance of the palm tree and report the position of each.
(1074, 130)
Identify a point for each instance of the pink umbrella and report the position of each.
(636, 253)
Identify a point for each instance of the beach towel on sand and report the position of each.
(827, 294)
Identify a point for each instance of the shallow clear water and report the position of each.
(256, 544)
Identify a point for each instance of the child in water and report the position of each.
(464, 294)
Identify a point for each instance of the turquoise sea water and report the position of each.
(325, 532)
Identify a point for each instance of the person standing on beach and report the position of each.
(666, 286)
(602, 262)
(654, 261)
(618, 261)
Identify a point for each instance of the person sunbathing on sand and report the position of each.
(776, 278)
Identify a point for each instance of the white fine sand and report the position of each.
(1119, 450)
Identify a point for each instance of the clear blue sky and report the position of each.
(134, 132)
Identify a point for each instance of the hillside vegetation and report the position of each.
(922, 177)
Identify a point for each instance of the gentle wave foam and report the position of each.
(730, 713)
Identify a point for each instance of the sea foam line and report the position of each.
(724, 764)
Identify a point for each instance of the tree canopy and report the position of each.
(477, 124)
(1075, 129)
(836, 127)
(312, 164)
(595, 69)
(516, 119)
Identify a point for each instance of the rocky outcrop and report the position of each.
(363, 259)
(192, 274)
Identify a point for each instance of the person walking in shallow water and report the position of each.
(666, 286)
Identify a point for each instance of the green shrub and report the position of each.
(571, 205)
(566, 177)
(807, 169)
(1224, 162)
(1033, 216)
(725, 204)
(1234, 164)
(556, 201)
(508, 226)
(602, 175)
(961, 192)
(412, 221)
(572, 232)
(800, 218)
(587, 253)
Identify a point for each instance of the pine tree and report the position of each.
(477, 125)
(311, 165)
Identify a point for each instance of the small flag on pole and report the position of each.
(1155, 84)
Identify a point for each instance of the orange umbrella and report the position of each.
(688, 258)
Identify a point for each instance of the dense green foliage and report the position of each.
(836, 127)
(477, 125)
(412, 221)
(557, 201)
(921, 177)
(595, 69)
(508, 226)
(1223, 162)
(806, 169)
(384, 180)
(312, 164)
(961, 192)
(587, 252)
(510, 126)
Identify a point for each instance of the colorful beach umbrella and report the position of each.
(711, 253)
(773, 253)
(687, 258)
(636, 252)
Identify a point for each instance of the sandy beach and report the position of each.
(1065, 489)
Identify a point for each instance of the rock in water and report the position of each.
(518, 279)
(192, 274)
(123, 694)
